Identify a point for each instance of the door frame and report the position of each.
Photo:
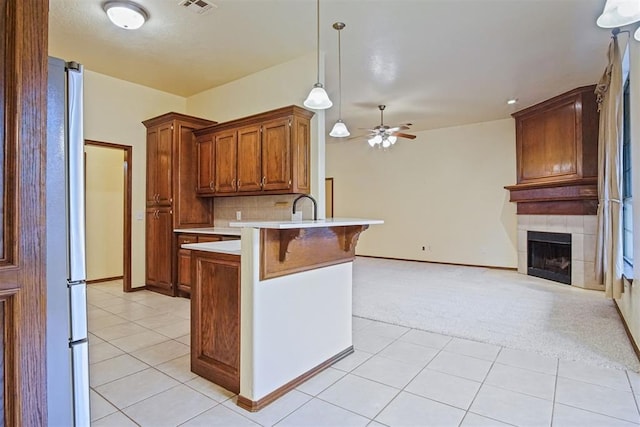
(128, 189)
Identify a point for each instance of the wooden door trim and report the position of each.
(23, 76)
(128, 190)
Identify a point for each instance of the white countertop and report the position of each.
(210, 230)
(329, 222)
(224, 247)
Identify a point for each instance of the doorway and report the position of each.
(108, 190)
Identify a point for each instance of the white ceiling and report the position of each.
(435, 63)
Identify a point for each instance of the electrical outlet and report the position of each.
(238, 215)
(139, 215)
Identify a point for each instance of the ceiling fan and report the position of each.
(385, 136)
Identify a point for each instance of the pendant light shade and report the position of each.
(318, 98)
(339, 129)
(618, 13)
(126, 14)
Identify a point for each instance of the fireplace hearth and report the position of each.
(549, 256)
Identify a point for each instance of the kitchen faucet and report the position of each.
(315, 206)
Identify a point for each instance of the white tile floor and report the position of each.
(139, 355)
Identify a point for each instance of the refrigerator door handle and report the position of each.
(78, 305)
(75, 174)
(81, 403)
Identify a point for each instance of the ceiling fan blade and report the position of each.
(403, 135)
(398, 127)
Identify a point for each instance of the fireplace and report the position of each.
(549, 256)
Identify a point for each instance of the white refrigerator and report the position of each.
(67, 335)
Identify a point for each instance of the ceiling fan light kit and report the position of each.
(318, 98)
(383, 136)
(618, 13)
(126, 14)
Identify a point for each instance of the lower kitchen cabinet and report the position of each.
(159, 245)
(215, 318)
(184, 257)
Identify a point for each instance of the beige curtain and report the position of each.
(608, 263)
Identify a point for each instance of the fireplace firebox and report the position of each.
(549, 256)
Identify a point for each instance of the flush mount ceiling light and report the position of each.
(618, 13)
(125, 14)
(318, 98)
(512, 101)
(339, 129)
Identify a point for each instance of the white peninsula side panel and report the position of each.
(289, 324)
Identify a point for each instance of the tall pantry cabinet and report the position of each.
(171, 200)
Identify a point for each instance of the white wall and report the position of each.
(284, 84)
(443, 190)
(104, 212)
(113, 112)
(629, 304)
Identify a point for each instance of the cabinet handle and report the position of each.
(233, 183)
(238, 184)
(289, 183)
(211, 185)
(264, 178)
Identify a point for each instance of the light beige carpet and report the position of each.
(494, 306)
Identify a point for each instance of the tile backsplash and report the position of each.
(258, 208)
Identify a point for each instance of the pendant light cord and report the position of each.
(339, 76)
(318, 38)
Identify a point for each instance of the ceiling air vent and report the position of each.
(197, 6)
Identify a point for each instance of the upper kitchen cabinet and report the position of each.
(171, 177)
(267, 153)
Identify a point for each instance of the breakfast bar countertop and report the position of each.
(328, 222)
(231, 247)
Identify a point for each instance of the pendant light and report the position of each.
(318, 98)
(339, 129)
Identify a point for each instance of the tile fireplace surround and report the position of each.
(583, 243)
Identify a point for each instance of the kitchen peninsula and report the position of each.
(273, 309)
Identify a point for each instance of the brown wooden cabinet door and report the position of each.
(301, 155)
(204, 147)
(226, 154)
(276, 154)
(159, 168)
(249, 172)
(152, 165)
(163, 168)
(159, 250)
(215, 318)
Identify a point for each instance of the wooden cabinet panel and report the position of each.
(301, 158)
(532, 148)
(159, 244)
(189, 210)
(205, 159)
(249, 159)
(560, 125)
(226, 154)
(276, 154)
(215, 318)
